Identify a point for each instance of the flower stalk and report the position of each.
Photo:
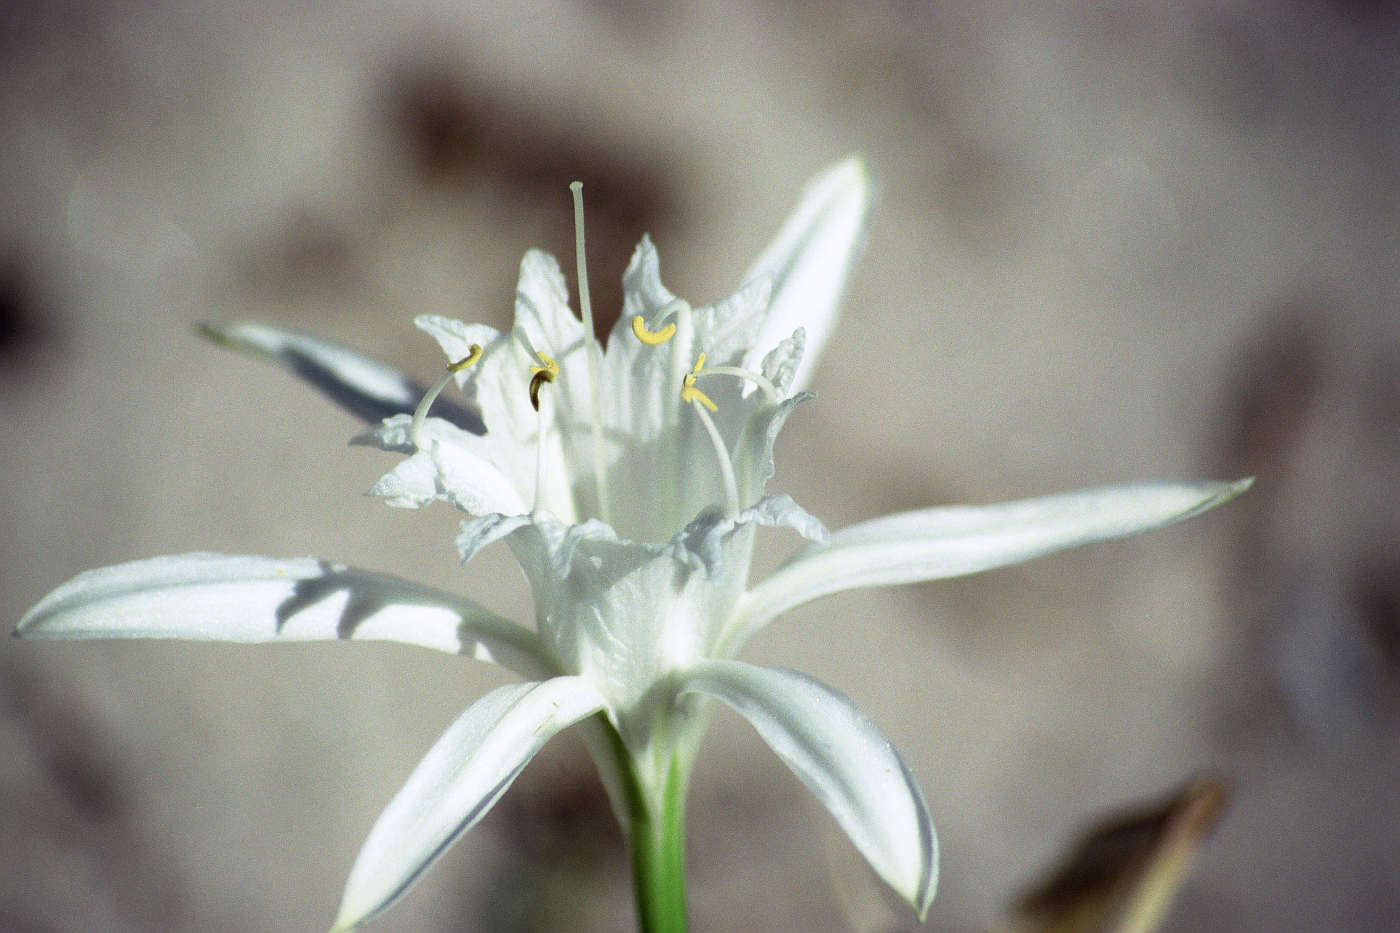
(657, 839)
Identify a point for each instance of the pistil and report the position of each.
(595, 362)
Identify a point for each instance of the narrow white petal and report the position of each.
(464, 774)
(846, 762)
(366, 388)
(810, 259)
(221, 597)
(938, 543)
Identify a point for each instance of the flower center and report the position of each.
(672, 326)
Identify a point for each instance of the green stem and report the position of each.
(656, 835)
(658, 858)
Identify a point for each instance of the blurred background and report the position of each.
(1112, 242)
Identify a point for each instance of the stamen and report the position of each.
(649, 338)
(420, 414)
(539, 442)
(691, 394)
(726, 468)
(595, 353)
(467, 362)
(770, 391)
(542, 374)
(683, 334)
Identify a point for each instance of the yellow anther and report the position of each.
(691, 394)
(549, 370)
(546, 373)
(468, 361)
(652, 339)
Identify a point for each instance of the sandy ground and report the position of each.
(1155, 241)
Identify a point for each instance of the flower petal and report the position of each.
(780, 511)
(753, 450)
(221, 597)
(780, 365)
(642, 291)
(704, 540)
(482, 530)
(455, 338)
(367, 389)
(727, 328)
(412, 484)
(810, 259)
(452, 466)
(464, 774)
(934, 544)
(542, 313)
(843, 759)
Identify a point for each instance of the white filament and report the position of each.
(726, 468)
(420, 414)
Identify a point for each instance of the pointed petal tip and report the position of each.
(842, 189)
(853, 170)
(847, 763)
(850, 179)
(922, 898)
(811, 258)
(353, 914)
(228, 336)
(1217, 494)
(249, 338)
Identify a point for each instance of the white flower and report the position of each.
(628, 484)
